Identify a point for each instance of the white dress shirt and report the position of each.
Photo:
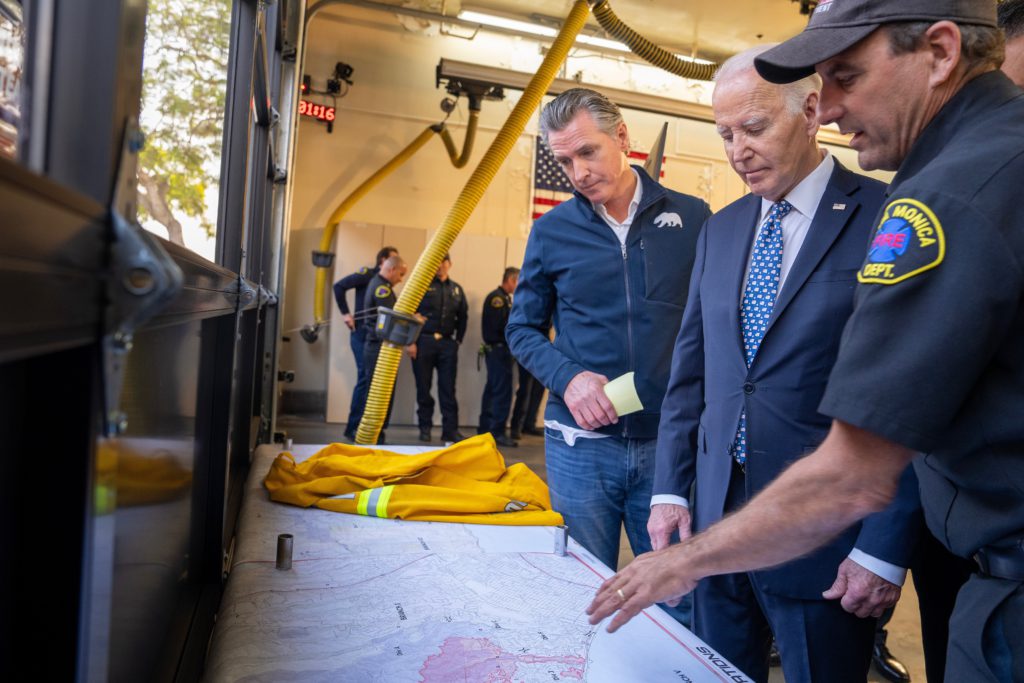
(805, 198)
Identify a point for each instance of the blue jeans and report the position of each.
(600, 485)
(362, 388)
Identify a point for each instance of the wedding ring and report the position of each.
(621, 594)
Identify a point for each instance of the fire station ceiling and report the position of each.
(713, 29)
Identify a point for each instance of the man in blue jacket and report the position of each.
(769, 296)
(357, 323)
(611, 265)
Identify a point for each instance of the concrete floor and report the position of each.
(904, 629)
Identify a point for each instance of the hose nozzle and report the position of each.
(310, 333)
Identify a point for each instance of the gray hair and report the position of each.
(392, 263)
(980, 46)
(795, 93)
(1011, 17)
(560, 111)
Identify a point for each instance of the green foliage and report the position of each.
(184, 89)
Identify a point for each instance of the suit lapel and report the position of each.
(738, 253)
(834, 212)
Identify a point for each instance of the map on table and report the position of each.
(372, 599)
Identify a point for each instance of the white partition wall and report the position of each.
(478, 262)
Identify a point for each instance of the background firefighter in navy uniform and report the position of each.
(358, 324)
(497, 397)
(529, 394)
(444, 307)
(930, 368)
(380, 292)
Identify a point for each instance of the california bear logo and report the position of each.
(668, 220)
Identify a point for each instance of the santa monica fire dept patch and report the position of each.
(908, 241)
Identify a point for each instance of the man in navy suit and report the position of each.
(771, 289)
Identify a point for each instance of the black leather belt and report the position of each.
(438, 336)
(1003, 561)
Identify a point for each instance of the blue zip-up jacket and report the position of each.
(616, 308)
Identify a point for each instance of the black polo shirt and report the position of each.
(933, 355)
(494, 318)
(378, 293)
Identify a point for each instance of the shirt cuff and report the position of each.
(889, 572)
(669, 499)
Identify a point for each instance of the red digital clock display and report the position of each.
(321, 112)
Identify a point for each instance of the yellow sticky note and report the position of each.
(621, 391)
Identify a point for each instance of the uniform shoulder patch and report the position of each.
(908, 241)
(497, 302)
(382, 292)
(364, 270)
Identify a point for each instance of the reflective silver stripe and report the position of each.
(371, 503)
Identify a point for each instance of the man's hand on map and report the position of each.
(658, 576)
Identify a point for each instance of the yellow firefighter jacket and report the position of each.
(466, 482)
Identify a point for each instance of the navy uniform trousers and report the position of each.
(442, 354)
(497, 397)
(371, 350)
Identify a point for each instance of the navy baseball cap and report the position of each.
(839, 24)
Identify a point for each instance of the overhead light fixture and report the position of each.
(602, 42)
(695, 60)
(531, 28)
(506, 23)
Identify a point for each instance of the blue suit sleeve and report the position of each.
(676, 454)
(532, 308)
(892, 534)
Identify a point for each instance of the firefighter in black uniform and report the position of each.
(529, 394)
(930, 368)
(380, 292)
(497, 398)
(444, 307)
(358, 325)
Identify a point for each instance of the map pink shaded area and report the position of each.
(478, 659)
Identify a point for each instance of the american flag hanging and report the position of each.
(551, 187)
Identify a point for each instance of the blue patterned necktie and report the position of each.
(759, 299)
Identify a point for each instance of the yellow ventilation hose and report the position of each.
(327, 239)
(647, 50)
(422, 275)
